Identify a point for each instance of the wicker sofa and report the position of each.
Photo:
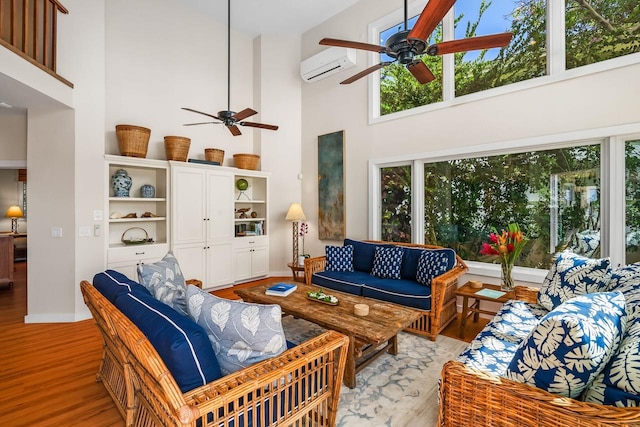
(436, 301)
(471, 394)
(298, 387)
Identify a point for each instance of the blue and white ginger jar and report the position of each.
(121, 183)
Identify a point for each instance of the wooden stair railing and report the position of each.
(29, 28)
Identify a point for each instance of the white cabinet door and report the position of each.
(189, 223)
(242, 264)
(260, 261)
(192, 260)
(219, 264)
(219, 207)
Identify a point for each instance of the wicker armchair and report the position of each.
(443, 299)
(299, 387)
(469, 397)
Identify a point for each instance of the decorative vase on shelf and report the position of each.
(147, 191)
(506, 280)
(121, 183)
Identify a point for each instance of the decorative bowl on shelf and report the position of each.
(135, 240)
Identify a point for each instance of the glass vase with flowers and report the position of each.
(507, 246)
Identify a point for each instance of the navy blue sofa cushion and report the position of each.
(363, 253)
(182, 344)
(112, 284)
(404, 292)
(411, 258)
(348, 282)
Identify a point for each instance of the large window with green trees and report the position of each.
(595, 31)
(632, 201)
(554, 195)
(395, 203)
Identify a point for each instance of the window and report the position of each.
(524, 58)
(395, 185)
(632, 202)
(399, 90)
(597, 30)
(554, 195)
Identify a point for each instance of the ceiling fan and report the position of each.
(229, 118)
(406, 45)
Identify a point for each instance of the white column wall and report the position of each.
(278, 96)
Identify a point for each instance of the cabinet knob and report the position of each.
(139, 253)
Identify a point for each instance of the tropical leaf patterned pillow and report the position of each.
(572, 275)
(241, 333)
(571, 345)
(164, 280)
(493, 348)
(619, 383)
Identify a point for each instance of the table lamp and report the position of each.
(295, 214)
(14, 212)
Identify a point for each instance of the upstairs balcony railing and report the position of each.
(29, 28)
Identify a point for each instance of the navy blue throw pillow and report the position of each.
(339, 258)
(182, 344)
(112, 284)
(433, 263)
(387, 262)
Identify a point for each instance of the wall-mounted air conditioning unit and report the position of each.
(326, 63)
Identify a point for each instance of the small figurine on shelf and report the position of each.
(243, 212)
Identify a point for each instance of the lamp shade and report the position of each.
(295, 213)
(14, 212)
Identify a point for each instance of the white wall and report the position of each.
(603, 99)
(161, 56)
(278, 95)
(13, 135)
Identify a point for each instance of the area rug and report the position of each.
(393, 391)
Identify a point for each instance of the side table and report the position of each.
(466, 292)
(295, 269)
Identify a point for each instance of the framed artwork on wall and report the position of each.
(331, 218)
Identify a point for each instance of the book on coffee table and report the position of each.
(281, 289)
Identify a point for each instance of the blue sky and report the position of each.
(496, 19)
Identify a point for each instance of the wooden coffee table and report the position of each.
(369, 336)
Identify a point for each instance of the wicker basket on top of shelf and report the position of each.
(246, 161)
(177, 147)
(133, 140)
(214, 155)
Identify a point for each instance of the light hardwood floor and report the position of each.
(47, 371)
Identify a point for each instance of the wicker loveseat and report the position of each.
(298, 387)
(471, 393)
(437, 301)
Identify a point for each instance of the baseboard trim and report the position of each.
(57, 317)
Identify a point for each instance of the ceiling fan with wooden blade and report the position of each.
(229, 118)
(406, 45)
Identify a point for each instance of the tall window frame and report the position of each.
(556, 62)
(612, 172)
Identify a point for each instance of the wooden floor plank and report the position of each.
(48, 371)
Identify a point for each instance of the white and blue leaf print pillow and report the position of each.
(571, 345)
(241, 333)
(165, 281)
(572, 275)
(619, 382)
